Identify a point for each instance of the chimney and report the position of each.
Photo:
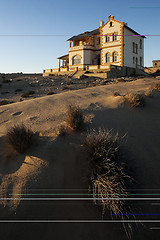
(101, 23)
(126, 24)
(111, 17)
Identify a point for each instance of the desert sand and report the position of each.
(55, 165)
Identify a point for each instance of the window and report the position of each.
(141, 61)
(155, 64)
(137, 48)
(98, 40)
(110, 24)
(114, 37)
(107, 57)
(76, 60)
(115, 57)
(140, 43)
(107, 38)
(133, 45)
(136, 61)
(133, 60)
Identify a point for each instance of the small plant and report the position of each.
(135, 100)
(149, 93)
(27, 94)
(69, 82)
(19, 137)
(75, 118)
(18, 90)
(107, 176)
(50, 93)
(115, 94)
(62, 131)
(6, 81)
(4, 102)
(156, 86)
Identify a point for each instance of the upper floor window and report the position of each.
(107, 38)
(140, 43)
(133, 60)
(114, 37)
(114, 56)
(76, 60)
(111, 24)
(136, 48)
(107, 57)
(141, 61)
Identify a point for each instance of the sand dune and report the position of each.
(56, 165)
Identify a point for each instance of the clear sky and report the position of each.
(21, 20)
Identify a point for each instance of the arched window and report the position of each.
(76, 60)
(107, 57)
(115, 57)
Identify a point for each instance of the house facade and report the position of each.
(156, 63)
(113, 43)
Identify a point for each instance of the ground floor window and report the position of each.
(107, 57)
(115, 57)
(76, 60)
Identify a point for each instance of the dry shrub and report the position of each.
(156, 86)
(4, 102)
(27, 94)
(19, 137)
(135, 100)
(107, 176)
(62, 131)
(75, 118)
(115, 94)
(50, 93)
(149, 93)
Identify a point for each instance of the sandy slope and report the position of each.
(59, 166)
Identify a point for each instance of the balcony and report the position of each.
(81, 47)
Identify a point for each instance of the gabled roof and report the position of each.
(85, 34)
(156, 61)
(133, 31)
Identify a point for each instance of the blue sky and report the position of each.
(64, 19)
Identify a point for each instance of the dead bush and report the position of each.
(19, 137)
(75, 118)
(135, 100)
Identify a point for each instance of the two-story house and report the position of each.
(113, 43)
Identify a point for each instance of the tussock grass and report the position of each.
(135, 100)
(75, 118)
(107, 175)
(19, 137)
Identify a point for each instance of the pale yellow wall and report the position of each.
(112, 45)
